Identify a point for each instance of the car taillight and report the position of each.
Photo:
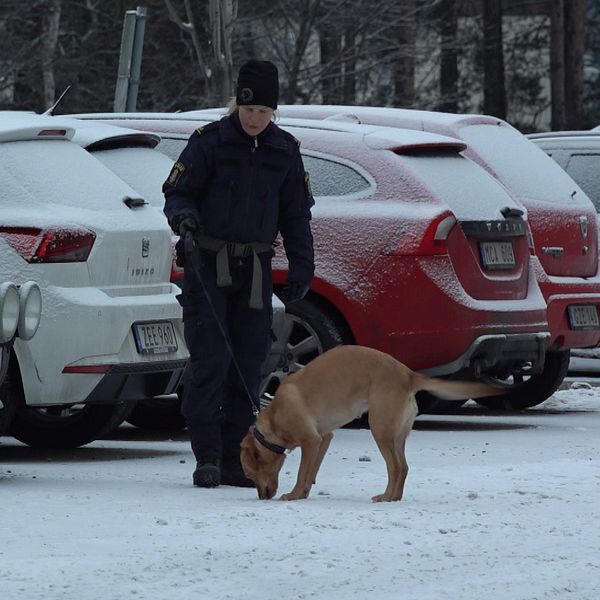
(37, 245)
(433, 241)
(176, 271)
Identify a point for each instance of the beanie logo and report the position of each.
(246, 95)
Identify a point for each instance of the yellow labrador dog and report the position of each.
(335, 388)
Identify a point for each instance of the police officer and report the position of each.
(237, 184)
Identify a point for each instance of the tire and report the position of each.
(526, 393)
(67, 426)
(158, 414)
(315, 329)
(8, 402)
(63, 426)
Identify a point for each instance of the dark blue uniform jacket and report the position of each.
(246, 189)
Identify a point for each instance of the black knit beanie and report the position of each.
(258, 83)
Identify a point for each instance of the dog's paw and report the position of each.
(380, 498)
(288, 497)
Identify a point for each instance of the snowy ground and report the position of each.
(496, 507)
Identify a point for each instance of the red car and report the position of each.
(562, 220)
(419, 252)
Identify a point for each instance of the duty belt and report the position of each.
(224, 250)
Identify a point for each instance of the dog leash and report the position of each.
(192, 256)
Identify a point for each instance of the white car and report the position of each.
(111, 330)
(131, 154)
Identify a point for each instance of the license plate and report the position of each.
(155, 337)
(497, 255)
(583, 316)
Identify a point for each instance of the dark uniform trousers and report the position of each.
(216, 405)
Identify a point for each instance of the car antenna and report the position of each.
(50, 111)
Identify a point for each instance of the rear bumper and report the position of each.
(495, 354)
(417, 311)
(562, 292)
(137, 382)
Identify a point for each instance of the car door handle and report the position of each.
(553, 250)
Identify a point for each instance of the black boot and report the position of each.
(207, 473)
(233, 474)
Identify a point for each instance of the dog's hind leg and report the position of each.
(400, 457)
(385, 442)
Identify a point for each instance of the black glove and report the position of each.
(293, 291)
(183, 223)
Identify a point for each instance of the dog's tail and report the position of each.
(454, 390)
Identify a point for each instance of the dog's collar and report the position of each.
(272, 447)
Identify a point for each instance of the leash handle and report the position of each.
(192, 255)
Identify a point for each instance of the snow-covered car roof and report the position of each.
(376, 136)
(94, 135)
(593, 134)
(17, 126)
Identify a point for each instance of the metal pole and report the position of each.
(121, 89)
(136, 58)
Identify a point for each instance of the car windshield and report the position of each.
(144, 169)
(520, 165)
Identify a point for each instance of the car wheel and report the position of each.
(64, 426)
(525, 393)
(67, 426)
(8, 404)
(313, 330)
(159, 414)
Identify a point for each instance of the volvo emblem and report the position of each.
(145, 247)
(583, 225)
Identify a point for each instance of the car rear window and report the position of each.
(520, 165)
(144, 169)
(585, 170)
(57, 173)
(469, 191)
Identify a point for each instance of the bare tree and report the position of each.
(214, 56)
(575, 21)
(494, 91)
(448, 20)
(48, 43)
(404, 63)
(557, 63)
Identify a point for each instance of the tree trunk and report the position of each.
(575, 21)
(494, 91)
(404, 66)
(349, 86)
(330, 44)
(48, 43)
(448, 18)
(557, 63)
(222, 14)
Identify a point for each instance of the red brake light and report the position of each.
(176, 271)
(50, 245)
(434, 240)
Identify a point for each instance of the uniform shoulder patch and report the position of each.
(176, 172)
(206, 128)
